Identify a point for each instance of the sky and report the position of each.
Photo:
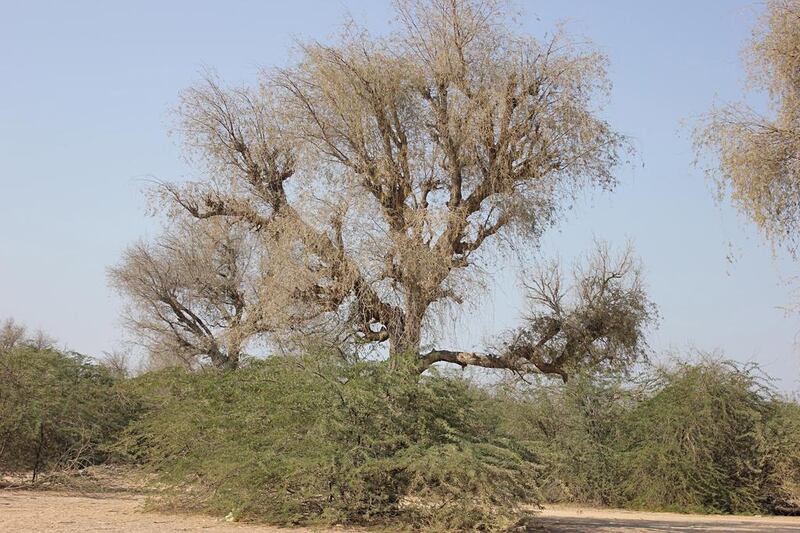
(85, 99)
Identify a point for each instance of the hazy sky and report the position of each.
(84, 117)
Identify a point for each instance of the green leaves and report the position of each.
(57, 410)
(704, 437)
(314, 440)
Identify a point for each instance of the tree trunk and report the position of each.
(38, 458)
(403, 349)
(222, 360)
(233, 355)
(231, 362)
(405, 338)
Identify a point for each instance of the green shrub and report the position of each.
(704, 437)
(56, 410)
(313, 440)
(782, 485)
(575, 429)
(699, 442)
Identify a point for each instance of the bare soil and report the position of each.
(66, 512)
(45, 511)
(580, 520)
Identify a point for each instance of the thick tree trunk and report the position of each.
(222, 360)
(231, 362)
(404, 347)
(233, 355)
(404, 340)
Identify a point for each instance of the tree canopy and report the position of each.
(757, 153)
(377, 177)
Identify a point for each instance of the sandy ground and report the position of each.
(67, 513)
(59, 512)
(580, 520)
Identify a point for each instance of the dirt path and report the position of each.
(583, 520)
(22, 511)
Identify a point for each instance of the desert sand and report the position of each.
(45, 511)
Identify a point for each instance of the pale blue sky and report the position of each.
(84, 99)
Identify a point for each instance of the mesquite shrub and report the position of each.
(57, 410)
(704, 437)
(313, 440)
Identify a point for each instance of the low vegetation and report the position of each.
(57, 410)
(311, 439)
(705, 437)
(317, 440)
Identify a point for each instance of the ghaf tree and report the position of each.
(378, 176)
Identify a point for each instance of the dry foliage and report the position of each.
(375, 177)
(191, 292)
(14, 335)
(758, 153)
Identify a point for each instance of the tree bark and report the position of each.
(405, 337)
(510, 361)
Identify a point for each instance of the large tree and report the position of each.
(758, 153)
(379, 176)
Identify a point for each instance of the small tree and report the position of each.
(379, 175)
(191, 292)
(11, 334)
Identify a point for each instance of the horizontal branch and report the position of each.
(509, 361)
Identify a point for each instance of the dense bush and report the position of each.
(315, 440)
(576, 430)
(783, 439)
(57, 410)
(712, 437)
(700, 442)
(707, 437)
(305, 440)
